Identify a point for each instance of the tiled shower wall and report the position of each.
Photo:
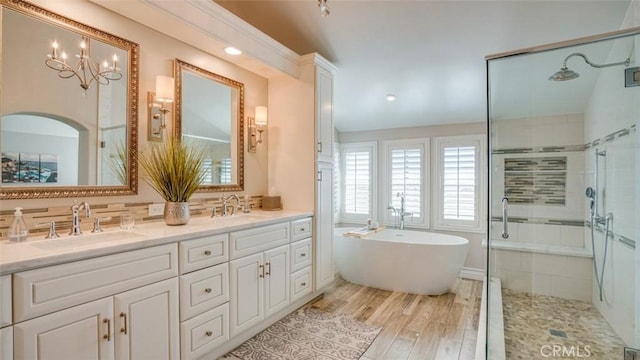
(541, 170)
(611, 120)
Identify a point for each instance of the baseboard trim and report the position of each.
(472, 273)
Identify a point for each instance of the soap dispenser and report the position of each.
(18, 230)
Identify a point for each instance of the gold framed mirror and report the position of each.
(65, 132)
(209, 110)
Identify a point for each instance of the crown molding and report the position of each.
(317, 59)
(210, 27)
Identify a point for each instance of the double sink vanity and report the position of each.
(155, 292)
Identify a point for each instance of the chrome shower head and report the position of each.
(564, 74)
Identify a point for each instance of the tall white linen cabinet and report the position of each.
(301, 152)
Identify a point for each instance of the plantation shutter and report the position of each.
(459, 183)
(357, 182)
(406, 177)
(225, 171)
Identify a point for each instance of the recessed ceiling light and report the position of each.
(391, 97)
(232, 51)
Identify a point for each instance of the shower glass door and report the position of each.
(564, 209)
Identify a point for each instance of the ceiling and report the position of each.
(430, 54)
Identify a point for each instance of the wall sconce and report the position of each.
(157, 106)
(257, 125)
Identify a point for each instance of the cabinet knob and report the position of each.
(209, 333)
(302, 229)
(304, 284)
(303, 254)
(207, 252)
(207, 290)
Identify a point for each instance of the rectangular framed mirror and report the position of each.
(209, 110)
(68, 124)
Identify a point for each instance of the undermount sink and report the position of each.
(85, 240)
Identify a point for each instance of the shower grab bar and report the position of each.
(505, 216)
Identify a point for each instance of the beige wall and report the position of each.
(157, 52)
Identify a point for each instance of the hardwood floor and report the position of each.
(414, 327)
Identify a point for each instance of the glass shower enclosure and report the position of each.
(563, 265)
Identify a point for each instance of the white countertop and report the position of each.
(38, 252)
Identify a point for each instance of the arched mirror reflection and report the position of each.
(68, 106)
(209, 112)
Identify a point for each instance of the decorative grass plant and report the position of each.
(173, 168)
(118, 163)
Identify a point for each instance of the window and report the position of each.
(357, 172)
(459, 182)
(224, 171)
(406, 174)
(220, 173)
(337, 184)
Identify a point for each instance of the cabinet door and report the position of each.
(247, 292)
(324, 227)
(324, 114)
(83, 332)
(276, 280)
(147, 322)
(6, 343)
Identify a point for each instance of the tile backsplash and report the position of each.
(38, 219)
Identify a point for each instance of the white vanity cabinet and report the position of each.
(122, 306)
(259, 274)
(259, 287)
(6, 343)
(6, 330)
(5, 300)
(204, 295)
(138, 324)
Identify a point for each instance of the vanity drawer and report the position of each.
(204, 332)
(300, 283)
(203, 252)
(203, 290)
(301, 229)
(5, 300)
(251, 241)
(300, 254)
(41, 291)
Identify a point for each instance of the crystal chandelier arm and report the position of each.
(599, 66)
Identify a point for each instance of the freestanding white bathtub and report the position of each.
(416, 262)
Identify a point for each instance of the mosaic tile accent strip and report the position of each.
(541, 221)
(539, 180)
(38, 219)
(528, 319)
(623, 239)
(568, 148)
(539, 149)
(611, 137)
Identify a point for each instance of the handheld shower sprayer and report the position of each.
(591, 194)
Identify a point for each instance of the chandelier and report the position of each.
(86, 70)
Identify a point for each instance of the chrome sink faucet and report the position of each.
(75, 212)
(401, 212)
(225, 204)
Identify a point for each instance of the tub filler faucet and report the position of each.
(400, 212)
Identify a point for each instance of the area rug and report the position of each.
(309, 334)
